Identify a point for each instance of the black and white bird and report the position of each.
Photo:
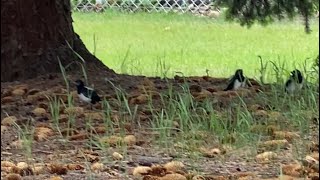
(237, 81)
(295, 82)
(86, 94)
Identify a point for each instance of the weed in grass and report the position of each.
(108, 124)
(164, 69)
(262, 70)
(54, 108)
(278, 69)
(25, 135)
(124, 63)
(94, 44)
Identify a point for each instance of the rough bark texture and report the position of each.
(34, 35)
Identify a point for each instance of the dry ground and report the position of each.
(73, 154)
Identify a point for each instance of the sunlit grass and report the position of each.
(191, 44)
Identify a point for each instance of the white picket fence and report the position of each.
(200, 7)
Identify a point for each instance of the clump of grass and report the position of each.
(25, 135)
(54, 105)
(262, 70)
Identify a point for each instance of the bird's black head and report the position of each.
(297, 75)
(79, 83)
(239, 74)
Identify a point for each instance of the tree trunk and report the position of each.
(34, 35)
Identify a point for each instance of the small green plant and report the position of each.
(25, 135)
(278, 69)
(163, 68)
(123, 65)
(262, 70)
(94, 44)
(54, 105)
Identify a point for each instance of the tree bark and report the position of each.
(34, 35)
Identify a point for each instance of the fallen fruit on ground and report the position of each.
(173, 176)
(8, 121)
(13, 176)
(97, 167)
(39, 112)
(56, 168)
(141, 170)
(117, 156)
(266, 156)
(174, 166)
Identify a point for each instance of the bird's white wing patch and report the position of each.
(237, 84)
(294, 86)
(89, 88)
(291, 87)
(84, 98)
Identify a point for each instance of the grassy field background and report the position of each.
(161, 44)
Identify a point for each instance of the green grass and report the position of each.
(158, 43)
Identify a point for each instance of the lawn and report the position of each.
(160, 44)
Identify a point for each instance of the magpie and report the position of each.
(237, 81)
(86, 94)
(295, 82)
